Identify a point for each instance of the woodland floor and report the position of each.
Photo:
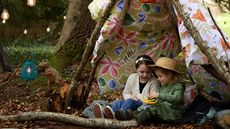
(24, 96)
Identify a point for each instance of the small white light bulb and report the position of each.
(25, 31)
(3, 21)
(48, 29)
(31, 2)
(28, 70)
(5, 15)
(64, 17)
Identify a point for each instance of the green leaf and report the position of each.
(128, 20)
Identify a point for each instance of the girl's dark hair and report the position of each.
(144, 59)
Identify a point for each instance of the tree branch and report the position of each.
(200, 42)
(69, 119)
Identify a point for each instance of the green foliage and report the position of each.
(16, 50)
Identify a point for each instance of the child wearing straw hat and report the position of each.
(169, 105)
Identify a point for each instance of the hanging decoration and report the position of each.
(31, 2)
(29, 69)
(5, 15)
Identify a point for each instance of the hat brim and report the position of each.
(154, 66)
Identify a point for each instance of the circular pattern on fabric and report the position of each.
(112, 84)
(143, 45)
(101, 82)
(157, 9)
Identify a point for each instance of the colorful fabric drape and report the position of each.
(193, 56)
(208, 31)
(147, 28)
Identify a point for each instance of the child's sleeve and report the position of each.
(176, 97)
(155, 86)
(127, 93)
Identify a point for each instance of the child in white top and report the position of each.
(138, 87)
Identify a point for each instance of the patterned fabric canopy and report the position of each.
(148, 29)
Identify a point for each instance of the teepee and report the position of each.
(128, 28)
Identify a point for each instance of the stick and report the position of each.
(90, 80)
(69, 119)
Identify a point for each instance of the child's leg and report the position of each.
(145, 116)
(131, 104)
(116, 105)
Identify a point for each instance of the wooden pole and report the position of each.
(200, 43)
(87, 53)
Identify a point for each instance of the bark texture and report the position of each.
(88, 52)
(69, 119)
(219, 65)
(77, 28)
(2, 61)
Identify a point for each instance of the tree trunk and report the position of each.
(77, 28)
(69, 119)
(219, 65)
(90, 46)
(2, 61)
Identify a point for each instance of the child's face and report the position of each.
(163, 78)
(144, 73)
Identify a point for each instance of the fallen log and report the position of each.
(69, 119)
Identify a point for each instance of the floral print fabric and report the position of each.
(147, 28)
(193, 56)
(204, 24)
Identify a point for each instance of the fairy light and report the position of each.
(3, 21)
(25, 31)
(48, 29)
(28, 70)
(5, 15)
(64, 17)
(31, 2)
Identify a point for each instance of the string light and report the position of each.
(48, 29)
(5, 15)
(25, 31)
(31, 2)
(3, 21)
(64, 17)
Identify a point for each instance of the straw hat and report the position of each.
(166, 63)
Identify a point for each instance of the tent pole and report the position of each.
(90, 80)
(200, 42)
(87, 53)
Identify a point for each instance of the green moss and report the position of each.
(69, 53)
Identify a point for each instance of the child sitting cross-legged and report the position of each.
(169, 99)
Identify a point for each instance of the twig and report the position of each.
(13, 75)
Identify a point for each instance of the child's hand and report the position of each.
(153, 94)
